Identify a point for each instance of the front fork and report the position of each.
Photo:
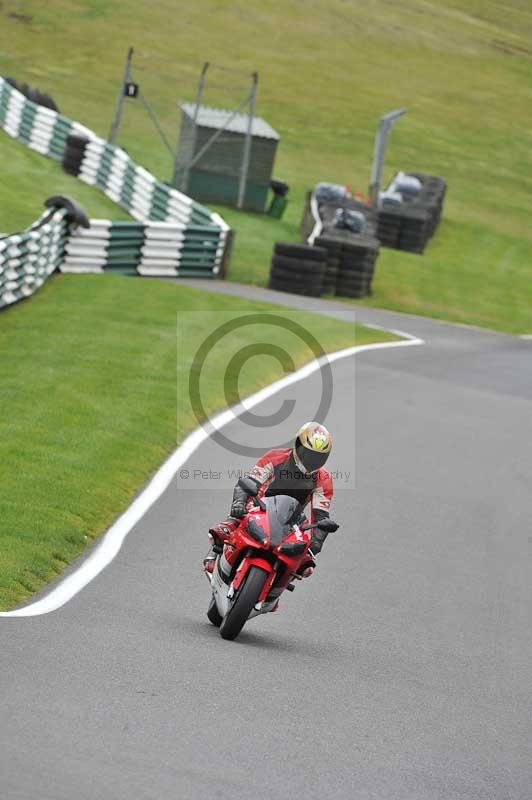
(242, 571)
(225, 592)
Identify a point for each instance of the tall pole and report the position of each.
(247, 143)
(386, 124)
(121, 97)
(199, 94)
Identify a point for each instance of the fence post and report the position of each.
(386, 123)
(121, 96)
(247, 142)
(226, 258)
(184, 178)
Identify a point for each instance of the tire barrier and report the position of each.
(34, 94)
(357, 266)
(157, 249)
(333, 248)
(352, 249)
(410, 210)
(108, 167)
(36, 126)
(189, 239)
(64, 239)
(29, 257)
(75, 213)
(350, 264)
(298, 269)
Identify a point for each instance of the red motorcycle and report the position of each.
(260, 559)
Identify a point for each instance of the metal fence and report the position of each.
(150, 81)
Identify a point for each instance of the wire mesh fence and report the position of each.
(150, 119)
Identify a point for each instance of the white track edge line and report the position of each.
(111, 542)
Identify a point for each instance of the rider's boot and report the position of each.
(306, 569)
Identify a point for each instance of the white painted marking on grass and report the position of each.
(112, 541)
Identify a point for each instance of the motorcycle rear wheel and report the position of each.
(247, 596)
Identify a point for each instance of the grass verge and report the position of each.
(28, 178)
(88, 404)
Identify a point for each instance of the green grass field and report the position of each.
(327, 71)
(88, 404)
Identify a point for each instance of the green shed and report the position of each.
(215, 176)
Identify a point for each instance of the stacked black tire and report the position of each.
(74, 153)
(389, 226)
(414, 232)
(298, 269)
(350, 263)
(357, 266)
(333, 248)
(33, 94)
(410, 225)
(431, 198)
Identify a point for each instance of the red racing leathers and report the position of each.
(276, 473)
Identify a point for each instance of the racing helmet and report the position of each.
(312, 447)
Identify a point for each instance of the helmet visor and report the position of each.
(311, 459)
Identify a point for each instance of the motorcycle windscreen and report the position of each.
(283, 512)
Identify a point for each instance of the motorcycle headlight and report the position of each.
(292, 548)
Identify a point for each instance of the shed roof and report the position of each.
(216, 117)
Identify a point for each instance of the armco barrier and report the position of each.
(177, 236)
(28, 258)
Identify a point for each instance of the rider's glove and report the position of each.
(240, 498)
(319, 536)
(238, 509)
(316, 543)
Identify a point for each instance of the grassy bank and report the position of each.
(88, 404)
(473, 275)
(327, 71)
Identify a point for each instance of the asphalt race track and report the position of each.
(400, 671)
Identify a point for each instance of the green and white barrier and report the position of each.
(28, 258)
(154, 248)
(177, 236)
(38, 127)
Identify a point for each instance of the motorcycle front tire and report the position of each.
(246, 598)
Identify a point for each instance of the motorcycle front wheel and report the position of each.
(246, 598)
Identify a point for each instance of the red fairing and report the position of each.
(243, 570)
(242, 551)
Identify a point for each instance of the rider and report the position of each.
(296, 471)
